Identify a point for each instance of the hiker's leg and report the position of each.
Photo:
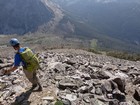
(31, 76)
(37, 80)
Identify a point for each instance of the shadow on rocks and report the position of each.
(22, 99)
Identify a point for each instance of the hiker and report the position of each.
(29, 70)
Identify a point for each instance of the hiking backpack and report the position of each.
(31, 60)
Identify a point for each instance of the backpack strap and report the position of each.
(21, 52)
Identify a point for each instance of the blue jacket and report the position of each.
(17, 58)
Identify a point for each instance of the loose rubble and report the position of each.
(76, 79)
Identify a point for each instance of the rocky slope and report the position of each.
(76, 77)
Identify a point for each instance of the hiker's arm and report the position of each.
(10, 70)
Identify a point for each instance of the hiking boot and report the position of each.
(34, 86)
(39, 88)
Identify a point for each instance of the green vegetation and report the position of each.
(94, 51)
(117, 54)
(93, 46)
(41, 42)
(124, 55)
(101, 40)
(93, 43)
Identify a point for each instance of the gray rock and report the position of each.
(102, 75)
(83, 89)
(110, 96)
(4, 65)
(93, 90)
(76, 76)
(121, 74)
(96, 82)
(97, 102)
(17, 81)
(120, 83)
(57, 66)
(18, 89)
(86, 76)
(48, 98)
(66, 102)
(94, 76)
(124, 69)
(85, 80)
(68, 83)
(6, 94)
(98, 91)
(96, 64)
(118, 95)
(70, 62)
(106, 87)
(124, 103)
(134, 73)
(1, 72)
(114, 102)
(136, 81)
(137, 94)
(86, 99)
(1, 99)
(110, 67)
(58, 78)
(109, 74)
(70, 97)
(1, 61)
(82, 68)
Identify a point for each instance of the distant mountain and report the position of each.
(115, 19)
(23, 16)
(106, 24)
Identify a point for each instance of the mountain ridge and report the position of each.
(118, 20)
(80, 19)
(18, 17)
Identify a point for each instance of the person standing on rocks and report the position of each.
(30, 65)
